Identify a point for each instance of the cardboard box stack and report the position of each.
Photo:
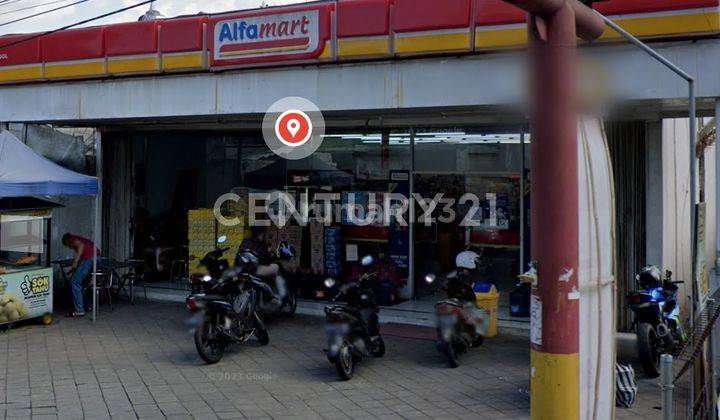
(317, 247)
(293, 236)
(237, 233)
(271, 236)
(201, 236)
(239, 208)
(333, 251)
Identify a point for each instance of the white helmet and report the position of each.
(467, 259)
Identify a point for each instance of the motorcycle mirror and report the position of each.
(329, 282)
(430, 278)
(222, 239)
(367, 260)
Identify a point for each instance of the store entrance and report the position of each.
(482, 206)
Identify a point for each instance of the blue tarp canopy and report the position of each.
(25, 173)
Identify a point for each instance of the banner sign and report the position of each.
(701, 271)
(269, 37)
(25, 294)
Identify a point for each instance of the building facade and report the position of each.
(419, 97)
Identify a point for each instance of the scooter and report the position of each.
(353, 330)
(457, 327)
(657, 318)
(224, 308)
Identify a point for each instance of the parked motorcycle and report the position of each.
(460, 324)
(225, 307)
(280, 297)
(353, 330)
(215, 265)
(657, 317)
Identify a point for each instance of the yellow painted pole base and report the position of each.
(554, 386)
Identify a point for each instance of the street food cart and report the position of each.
(26, 279)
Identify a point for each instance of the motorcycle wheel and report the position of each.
(210, 349)
(291, 305)
(261, 333)
(478, 341)
(344, 362)
(648, 351)
(451, 353)
(377, 349)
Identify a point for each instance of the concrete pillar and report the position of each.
(554, 356)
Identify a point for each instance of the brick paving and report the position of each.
(140, 362)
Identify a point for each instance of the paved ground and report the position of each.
(140, 362)
(647, 403)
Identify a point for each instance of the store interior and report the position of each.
(178, 176)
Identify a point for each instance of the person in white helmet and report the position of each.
(461, 287)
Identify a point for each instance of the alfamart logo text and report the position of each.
(273, 34)
(384, 209)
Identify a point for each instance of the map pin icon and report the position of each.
(293, 126)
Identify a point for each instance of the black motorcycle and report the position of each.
(657, 318)
(280, 297)
(353, 329)
(225, 308)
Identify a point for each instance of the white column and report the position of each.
(717, 191)
(653, 194)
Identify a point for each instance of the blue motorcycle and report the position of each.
(657, 318)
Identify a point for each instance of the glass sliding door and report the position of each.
(475, 198)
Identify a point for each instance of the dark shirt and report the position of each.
(460, 288)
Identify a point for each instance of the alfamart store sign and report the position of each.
(270, 37)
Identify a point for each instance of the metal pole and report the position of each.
(97, 218)
(656, 55)
(95, 242)
(411, 212)
(693, 194)
(666, 385)
(692, 114)
(692, 128)
(522, 201)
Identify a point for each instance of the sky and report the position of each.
(92, 8)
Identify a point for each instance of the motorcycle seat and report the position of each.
(334, 308)
(210, 297)
(452, 302)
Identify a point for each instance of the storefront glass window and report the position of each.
(479, 174)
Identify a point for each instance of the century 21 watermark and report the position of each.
(279, 208)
